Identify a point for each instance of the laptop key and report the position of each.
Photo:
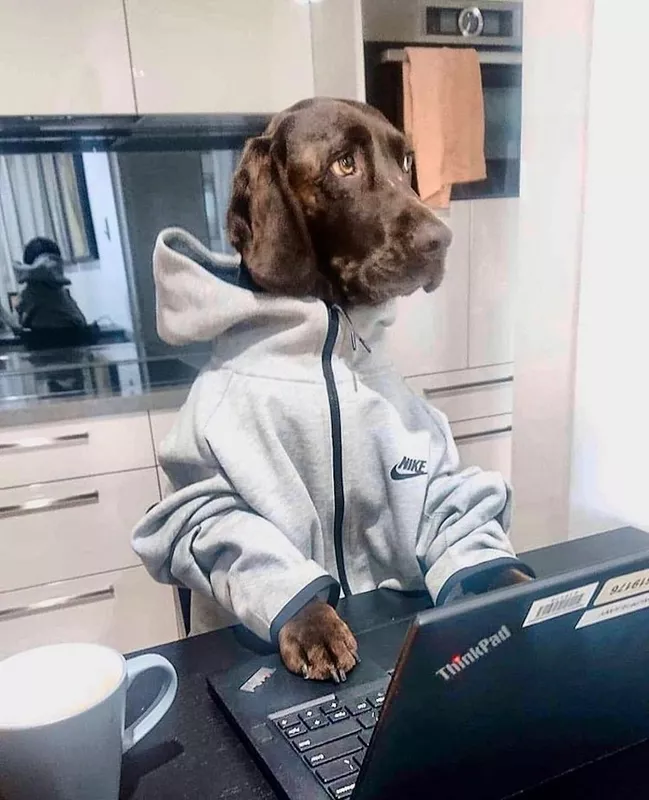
(330, 733)
(330, 707)
(377, 698)
(342, 788)
(369, 719)
(365, 737)
(287, 722)
(336, 769)
(329, 752)
(359, 708)
(309, 714)
(339, 715)
(360, 757)
(295, 730)
(317, 722)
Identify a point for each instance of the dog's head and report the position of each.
(322, 204)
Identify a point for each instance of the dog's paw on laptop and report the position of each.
(317, 644)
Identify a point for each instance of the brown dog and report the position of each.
(327, 193)
(323, 206)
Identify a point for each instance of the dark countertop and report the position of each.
(194, 753)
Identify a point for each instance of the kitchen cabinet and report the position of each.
(64, 529)
(72, 493)
(230, 56)
(486, 442)
(468, 321)
(430, 333)
(64, 57)
(337, 26)
(126, 610)
(55, 451)
(493, 258)
(484, 392)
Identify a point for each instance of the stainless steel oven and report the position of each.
(494, 28)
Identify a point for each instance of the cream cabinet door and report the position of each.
(55, 531)
(225, 56)
(337, 27)
(64, 57)
(125, 609)
(430, 333)
(494, 256)
(486, 443)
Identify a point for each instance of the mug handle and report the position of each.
(159, 707)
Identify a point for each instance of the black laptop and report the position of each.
(483, 698)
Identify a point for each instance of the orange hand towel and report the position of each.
(443, 111)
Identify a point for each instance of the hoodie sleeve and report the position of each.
(462, 538)
(206, 538)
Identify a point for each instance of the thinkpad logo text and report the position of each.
(482, 648)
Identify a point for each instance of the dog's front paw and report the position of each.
(317, 644)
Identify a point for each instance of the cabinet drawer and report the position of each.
(127, 610)
(470, 399)
(486, 443)
(50, 452)
(161, 424)
(65, 529)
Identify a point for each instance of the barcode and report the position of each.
(560, 604)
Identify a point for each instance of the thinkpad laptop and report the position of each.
(483, 698)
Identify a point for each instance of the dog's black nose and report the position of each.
(432, 236)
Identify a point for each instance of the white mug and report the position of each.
(62, 712)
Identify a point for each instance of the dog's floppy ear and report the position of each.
(266, 224)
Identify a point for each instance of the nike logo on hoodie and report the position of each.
(408, 468)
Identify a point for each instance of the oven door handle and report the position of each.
(504, 57)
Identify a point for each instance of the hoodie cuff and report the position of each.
(323, 586)
(441, 585)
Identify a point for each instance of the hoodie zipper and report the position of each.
(336, 444)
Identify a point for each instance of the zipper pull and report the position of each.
(355, 337)
(364, 343)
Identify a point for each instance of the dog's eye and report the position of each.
(344, 166)
(407, 162)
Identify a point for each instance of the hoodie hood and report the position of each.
(47, 268)
(201, 295)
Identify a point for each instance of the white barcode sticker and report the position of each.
(559, 604)
(623, 586)
(612, 610)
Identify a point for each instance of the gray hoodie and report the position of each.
(301, 463)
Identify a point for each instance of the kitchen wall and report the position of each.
(581, 389)
(610, 439)
(556, 74)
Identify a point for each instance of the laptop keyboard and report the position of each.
(332, 736)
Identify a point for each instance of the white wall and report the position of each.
(556, 58)
(610, 454)
(100, 288)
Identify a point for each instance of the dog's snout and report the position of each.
(432, 236)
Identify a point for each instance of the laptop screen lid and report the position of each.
(502, 692)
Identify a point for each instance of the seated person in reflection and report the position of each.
(45, 302)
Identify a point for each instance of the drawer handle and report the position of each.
(49, 504)
(43, 441)
(465, 437)
(56, 603)
(462, 387)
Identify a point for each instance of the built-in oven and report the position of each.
(494, 28)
